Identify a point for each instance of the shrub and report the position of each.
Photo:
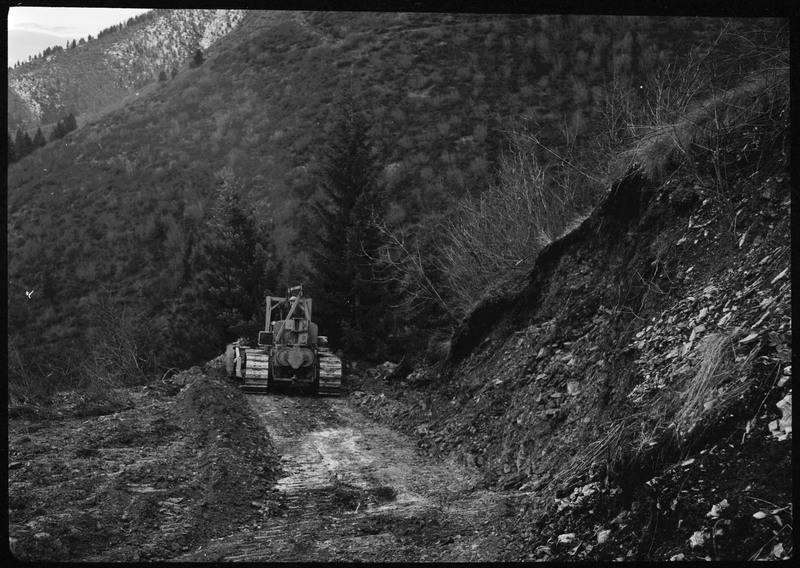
(121, 347)
(501, 231)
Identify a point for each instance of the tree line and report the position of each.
(109, 30)
(22, 144)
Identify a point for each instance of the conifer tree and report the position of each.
(38, 139)
(58, 132)
(231, 269)
(351, 305)
(12, 153)
(23, 144)
(198, 58)
(70, 123)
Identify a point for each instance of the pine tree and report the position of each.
(231, 269)
(12, 153)
(198, 58)
(70, 123)
(23, 144)
(174, 72)
(162, 76)
(38, 139)
(58, 132)
(351, 302)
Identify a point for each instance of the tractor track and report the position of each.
(355, 490)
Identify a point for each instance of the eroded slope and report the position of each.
(656, 333)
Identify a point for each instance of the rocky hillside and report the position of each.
(100, 72)
(635, 387)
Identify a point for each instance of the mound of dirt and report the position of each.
(147, 480)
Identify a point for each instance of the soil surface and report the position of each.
(135, 474)
(354, 490)
(191, 469)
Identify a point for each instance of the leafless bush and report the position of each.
(708, 137)
(34, 373)
(404, 266)
(714, 111)
(118, 353)
(500, 232)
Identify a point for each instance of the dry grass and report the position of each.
(716, 128)
(606, 453)
(720, 381)
(674, 417)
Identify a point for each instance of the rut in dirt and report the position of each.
(355, 490)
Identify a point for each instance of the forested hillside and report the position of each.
(147, 237)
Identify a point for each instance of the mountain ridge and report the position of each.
(114, 64)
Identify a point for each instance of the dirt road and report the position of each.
(355, 490)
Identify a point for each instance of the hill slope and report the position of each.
(637, 383)
(120, 204)
(100, 72)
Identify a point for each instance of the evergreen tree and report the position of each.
(12, 153)
(162, 76)
(38, 139)
(58, 132)
(23, 144)
(70, 123)
(174, 72)
(198, 58)
(232, 269)
(352, 303)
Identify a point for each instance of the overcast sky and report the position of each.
(33, 29)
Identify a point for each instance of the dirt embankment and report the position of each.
(136, 474)
(631, 389)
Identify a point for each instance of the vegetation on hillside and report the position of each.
(725, 108)
(147, 16)
(127, 201)
(352, 299)
(88, 76)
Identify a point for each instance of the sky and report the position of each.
(33, 29)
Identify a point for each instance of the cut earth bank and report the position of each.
(634, 389)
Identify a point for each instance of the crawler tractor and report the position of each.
(289, 352)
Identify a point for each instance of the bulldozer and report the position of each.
(289, 351)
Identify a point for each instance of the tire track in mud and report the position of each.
(356, 490)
